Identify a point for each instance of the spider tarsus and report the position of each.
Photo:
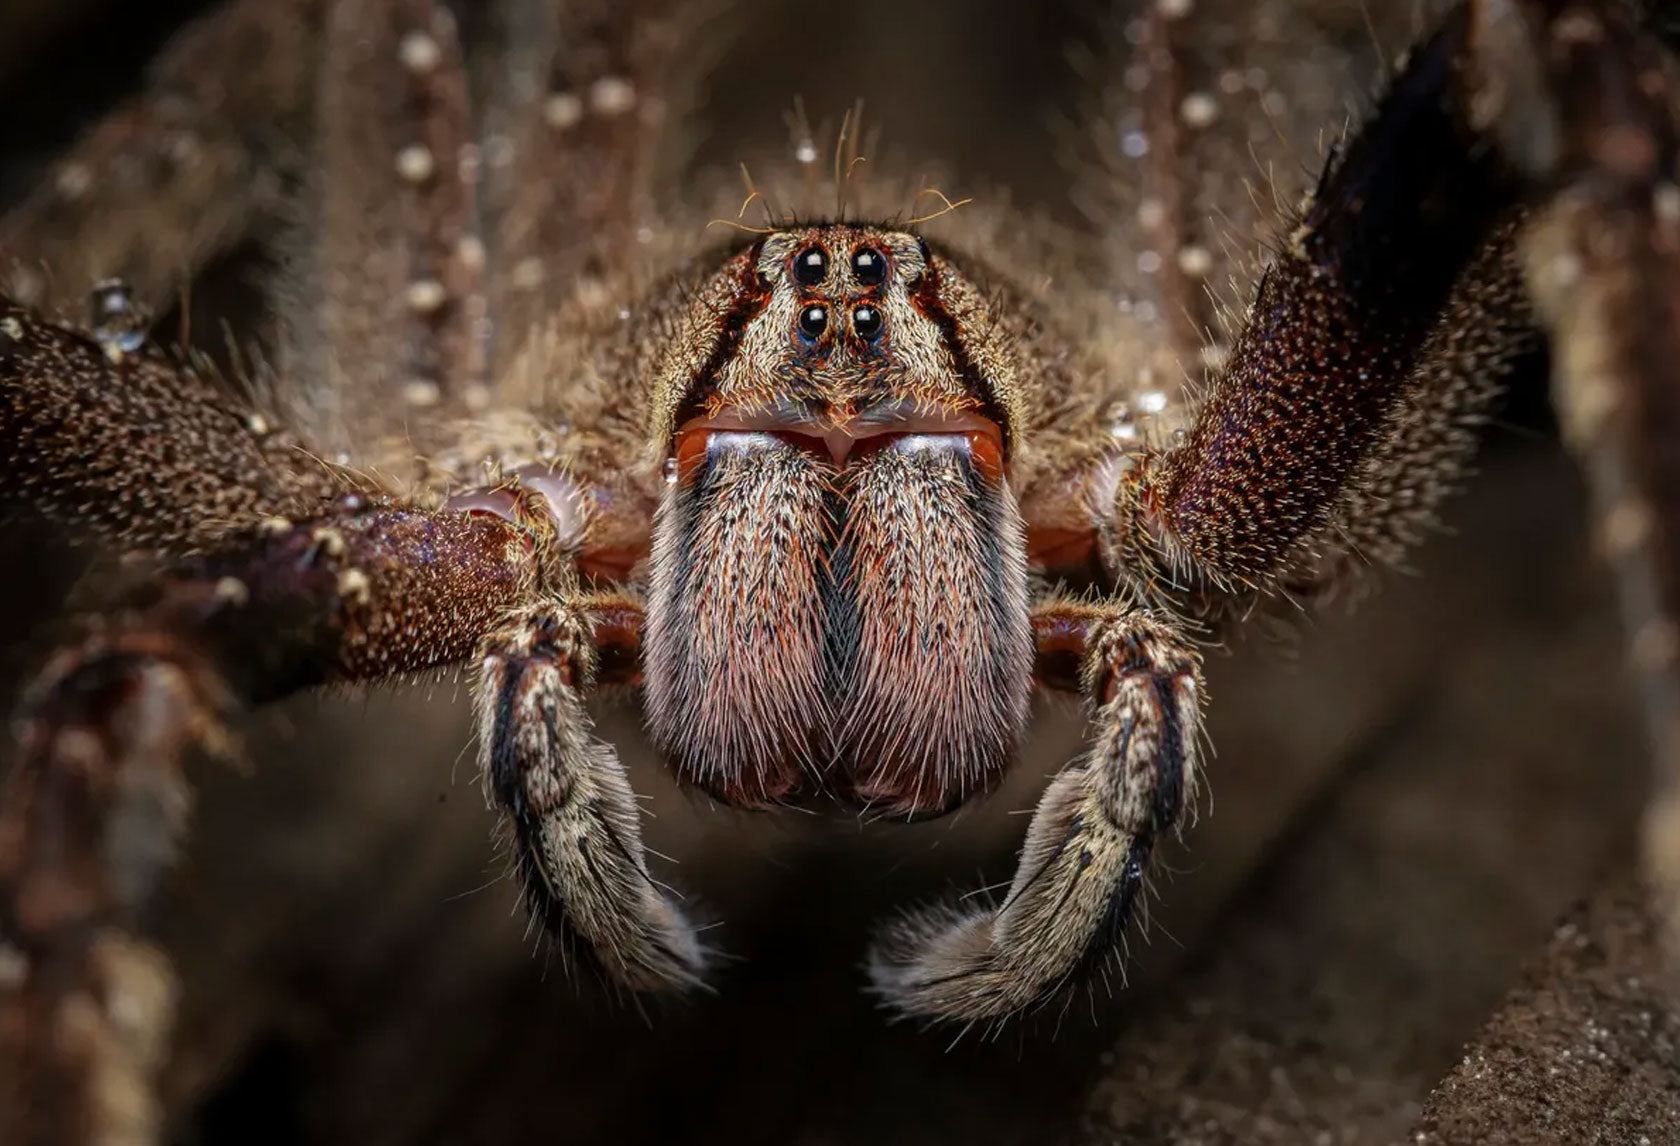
(575, 824)
(1087, 852)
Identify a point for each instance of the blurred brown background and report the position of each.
(1405, 800)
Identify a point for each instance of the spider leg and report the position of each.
(573, 121)
(1589, 108)
(576, 828)
(90, 814)
(137, 449)
(394, 268)
(1087, 849)
(275, 577)
(178, 174)
(1370, 350)
(94, 801)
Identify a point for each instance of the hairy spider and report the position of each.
(836, 494)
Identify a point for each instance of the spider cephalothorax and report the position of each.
(836, 498)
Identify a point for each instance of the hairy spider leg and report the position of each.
(1372, 348)
(180, 173)
(575, 825)
(1086, 855)
(1601, 259)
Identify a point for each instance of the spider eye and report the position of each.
(813, 320)
(869, 266)
(866, 320)
(810, 266)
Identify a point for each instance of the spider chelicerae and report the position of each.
(835, 487)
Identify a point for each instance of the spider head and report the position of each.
(839, 594)
(841, 334)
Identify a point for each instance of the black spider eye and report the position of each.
(813, 320)
(866, 320)
(869, 266)
(810, 266)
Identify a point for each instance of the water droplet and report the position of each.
(74, 181)
(563, 110)
(1665, 200)
(670, 471)
(612, 95)
(1195, 261)
(422, 392)
(499, 151)
(415, 163)
(419, 53)
(528, 273)
(1199, 109)
(116, 320)
(27, 285)
(426, 296)
(470, 250)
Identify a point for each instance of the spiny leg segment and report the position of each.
(1370, 352)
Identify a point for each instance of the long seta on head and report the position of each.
(839, 189)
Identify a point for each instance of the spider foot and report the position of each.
(575, 825)
(1087, 850)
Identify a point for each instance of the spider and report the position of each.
(834, 493)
